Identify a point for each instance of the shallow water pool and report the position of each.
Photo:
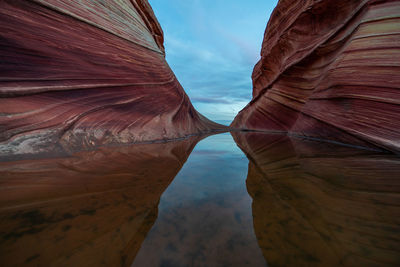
(240, 199)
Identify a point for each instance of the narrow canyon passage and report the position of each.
(107, 160)
(203, 202)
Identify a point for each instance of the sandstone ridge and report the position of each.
(329, 70)
(80, 74)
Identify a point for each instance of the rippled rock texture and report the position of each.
(93, 209)
(322, 204)
(77, 74)
(330, 70)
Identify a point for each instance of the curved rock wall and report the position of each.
(330, 70)
(77, 74)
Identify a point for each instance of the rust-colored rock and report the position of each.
(92, 209)
(322, 205)
(330, 70)
(77, 74)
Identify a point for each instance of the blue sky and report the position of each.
(212, 47)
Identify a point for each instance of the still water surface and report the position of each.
(205, 216)
(251, 200)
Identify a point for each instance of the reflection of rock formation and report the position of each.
(322, 205)
(86, 73)
(330, 69)
(88, 210)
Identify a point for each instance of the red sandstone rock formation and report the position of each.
(331, 70)
(76, 74)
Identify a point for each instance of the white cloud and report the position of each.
(220, 111)
(212, 47)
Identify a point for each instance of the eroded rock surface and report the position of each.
(330, 70)
(77, 74)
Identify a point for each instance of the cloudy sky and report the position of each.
(212, 46)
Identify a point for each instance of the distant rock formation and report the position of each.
(78, 74)
(319, 205)
(330, 70)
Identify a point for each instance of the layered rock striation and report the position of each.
(330, 70)
(78, 74)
